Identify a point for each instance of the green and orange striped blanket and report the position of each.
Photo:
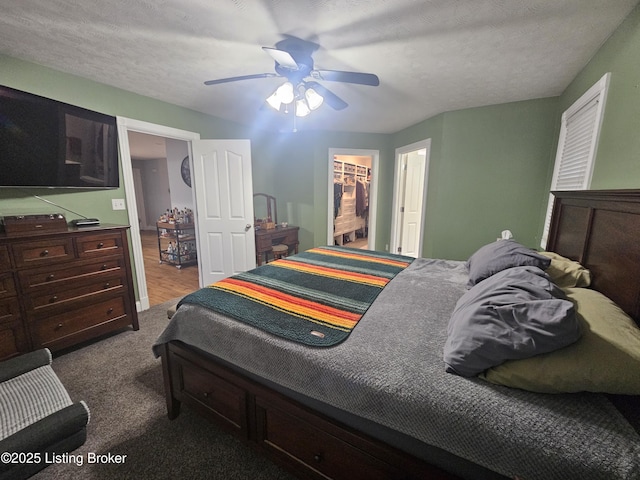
(316, 297)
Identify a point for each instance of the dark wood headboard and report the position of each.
(601, 230)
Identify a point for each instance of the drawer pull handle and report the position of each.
(110, 311)
(317, 457)
(50, 277)
(58, 327)
(100, 245)
(44, 253)
(205, 394)
(103, 267)
(107, 285)
(53, 299)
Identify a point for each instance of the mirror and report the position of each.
(264, 209)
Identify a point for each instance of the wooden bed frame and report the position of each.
(600, 229)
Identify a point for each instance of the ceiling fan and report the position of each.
(293, 61)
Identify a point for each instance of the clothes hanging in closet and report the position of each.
(337, 198)
(362, 199)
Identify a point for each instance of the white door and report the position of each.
(222, 182)
(409, 198)
(411, 210)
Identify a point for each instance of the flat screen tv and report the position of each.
(47, 144)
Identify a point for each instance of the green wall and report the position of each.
(491, 167)
(497, 158)
(617, 162)
(294, 167)
(487, 173)
(304, 155)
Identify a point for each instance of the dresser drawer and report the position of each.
(13, 340)
(78, 271)
(43, 252)
(287, 238)
(5, 262)
(99, 245)
(65, 329)
(7, 285)
(80, 291)
(205, 390)
(311, 446)
(9, 309)
(263, 244)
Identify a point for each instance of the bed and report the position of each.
(380, 405)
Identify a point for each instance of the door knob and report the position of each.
(247, 227)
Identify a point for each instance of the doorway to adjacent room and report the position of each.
(156, 163)
(352, 197)
(223, 216)
(409, 198)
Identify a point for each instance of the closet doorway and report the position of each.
(352, 197)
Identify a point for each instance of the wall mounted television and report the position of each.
(49, 144)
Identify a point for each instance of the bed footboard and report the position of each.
(307, 443)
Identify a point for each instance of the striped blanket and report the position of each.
(316, 297)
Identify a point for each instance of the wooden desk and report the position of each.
(265, 239)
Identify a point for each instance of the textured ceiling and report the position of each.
(431, 56)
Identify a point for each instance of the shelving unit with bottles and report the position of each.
(177, 243)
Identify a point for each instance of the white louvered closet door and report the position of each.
(577, 145)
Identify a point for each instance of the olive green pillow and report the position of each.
(605, 359)
(567, 273)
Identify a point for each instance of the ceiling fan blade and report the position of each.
(347, 77)
(242, 77)
(330, 98)
(282, 58)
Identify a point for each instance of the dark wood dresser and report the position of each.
(58, 289)
(267, 238)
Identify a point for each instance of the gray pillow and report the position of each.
(500, 255)
(516, 313)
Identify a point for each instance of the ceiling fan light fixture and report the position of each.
(285, 93)
(294, 62)
(274, 101)
(302, 109)
(314, 99)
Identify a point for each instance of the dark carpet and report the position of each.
(121, 382)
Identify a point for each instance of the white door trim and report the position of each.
(398, 191)
(373, 190)
(125, 125)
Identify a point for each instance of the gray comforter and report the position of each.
(390, 371)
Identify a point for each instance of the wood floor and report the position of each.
(165, 281)
(359, 243)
